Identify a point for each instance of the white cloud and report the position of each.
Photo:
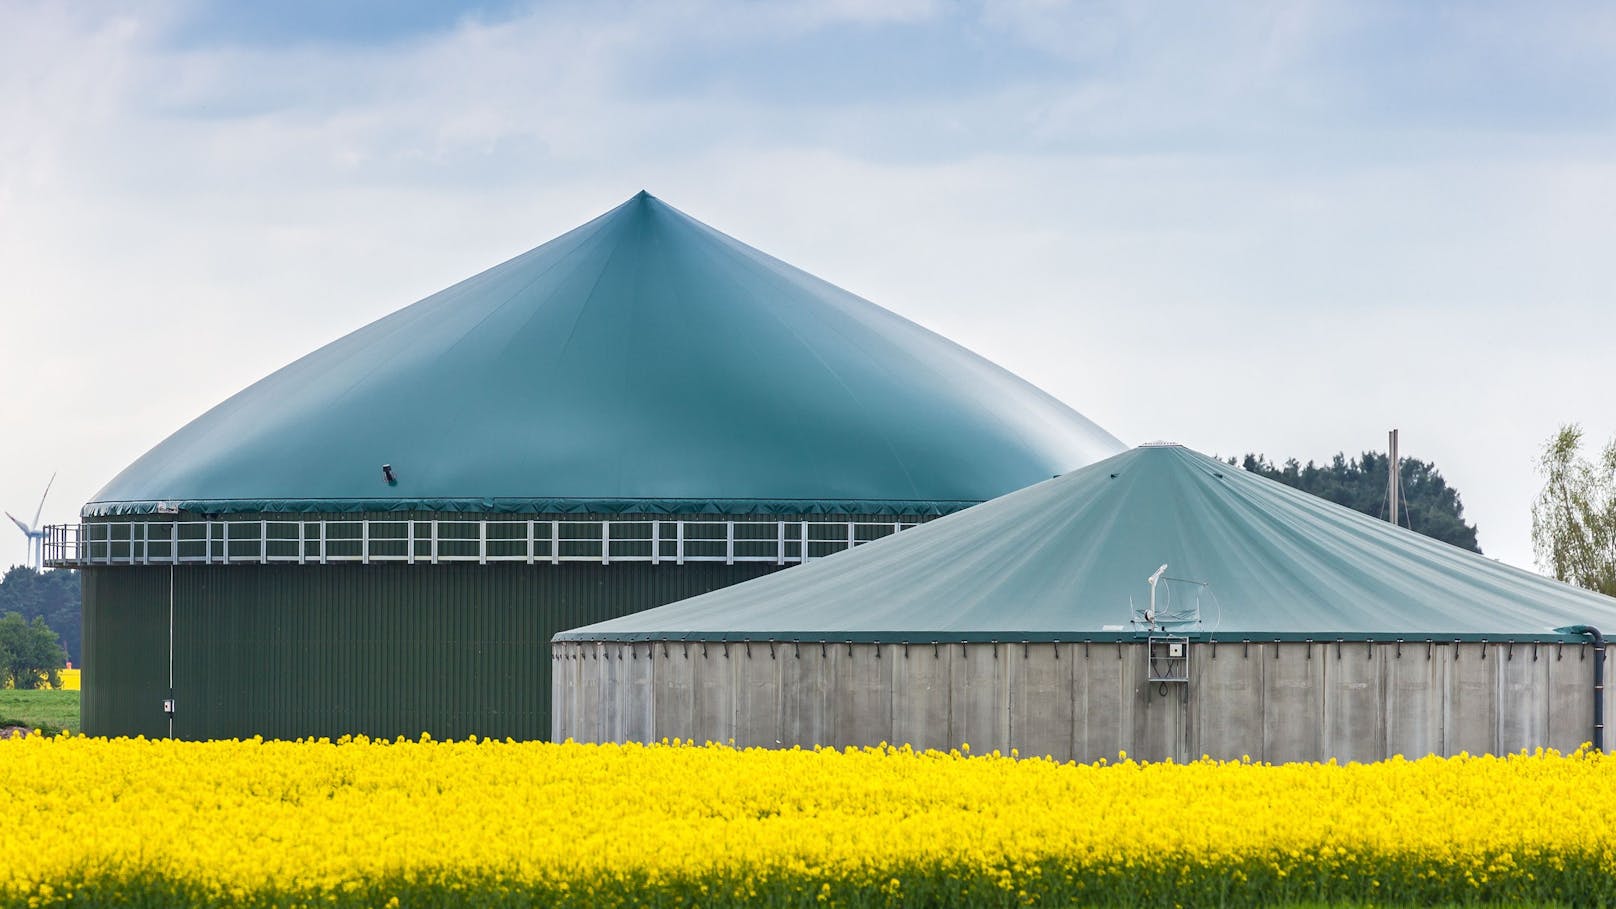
(1177, 226)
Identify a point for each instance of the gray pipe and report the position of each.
(1599, 679)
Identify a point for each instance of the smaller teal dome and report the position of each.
(1077, 558)
(643, 362)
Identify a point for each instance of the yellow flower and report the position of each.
(328, 822)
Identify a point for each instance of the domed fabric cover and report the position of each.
(643, 362)
(1235, 556)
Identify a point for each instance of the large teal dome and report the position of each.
(643, 362)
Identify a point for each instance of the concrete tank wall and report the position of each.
(1273, 701)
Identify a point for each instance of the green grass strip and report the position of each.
(48, 711)
(1578, 882)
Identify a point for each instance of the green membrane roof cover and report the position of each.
(641, 363)
(1068, 560)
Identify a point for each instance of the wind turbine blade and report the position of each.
(41, 509)
(25, 529)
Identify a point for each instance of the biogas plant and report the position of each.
(573, 496)
(383, 536)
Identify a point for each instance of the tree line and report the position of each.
(40, 625)
(1429, 505)
(1573, 517)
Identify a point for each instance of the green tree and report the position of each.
(1574, 517)
(51, 595)
(29, 652)
(1430, 505)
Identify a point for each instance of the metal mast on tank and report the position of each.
(1393, 475)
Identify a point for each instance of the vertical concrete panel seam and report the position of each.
(1002, 680)
(1497, 688)
(1382, 735)
(1329, 694)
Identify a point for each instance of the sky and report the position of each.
(1280, 227)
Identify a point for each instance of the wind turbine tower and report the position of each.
(34, 532)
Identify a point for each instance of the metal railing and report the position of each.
(271, 541)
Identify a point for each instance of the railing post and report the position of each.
(174, 542)
(656, 542)
(779, 542)
(224, 548)
(729, 542)
(851, 539)
(555, 542)
(605, 542)
(263, 542)
(409, 541)
(679, 544)
(802, 554)
(482, 541)
(532, 541)
(325, 542)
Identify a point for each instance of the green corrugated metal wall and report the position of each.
(288, 651)
(125, 651)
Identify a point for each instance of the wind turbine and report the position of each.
(35, 533)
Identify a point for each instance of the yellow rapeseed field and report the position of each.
(92, 821)
(68, 678)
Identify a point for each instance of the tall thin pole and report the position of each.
(1393, 471)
